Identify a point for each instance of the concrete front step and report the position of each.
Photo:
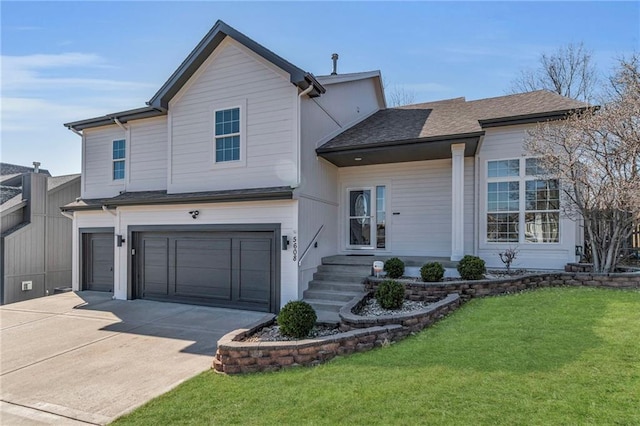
(350, 279)
(335, 286)
(346, 269)
(367, 260)
(325, 305)
(332, 295)
(327, 317)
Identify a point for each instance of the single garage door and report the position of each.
(217, 268)
(97, 264)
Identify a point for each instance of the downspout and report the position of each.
(299, 136)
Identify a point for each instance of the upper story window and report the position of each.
(227, 135)
(119, 154)
(521, 207)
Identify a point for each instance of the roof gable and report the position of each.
(205, 48)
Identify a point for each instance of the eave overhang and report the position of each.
(122, 117)
(205, 48)
(528, 118)
(429, 148)
(161, 197)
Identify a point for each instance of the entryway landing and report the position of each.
(368, 259)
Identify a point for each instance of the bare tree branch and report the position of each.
(569, 71)
(595, 153)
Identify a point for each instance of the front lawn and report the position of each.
(551, 356)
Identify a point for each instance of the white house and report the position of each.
(242, 163)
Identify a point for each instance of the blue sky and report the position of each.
(66, 61)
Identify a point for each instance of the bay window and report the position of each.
(521, 207)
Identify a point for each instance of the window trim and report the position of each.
(522, 178)
(116, 160)
(241, 104)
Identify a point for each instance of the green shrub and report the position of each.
(390, 294)
(394, 267)
(471, 268)
(432, 272)
(296, 319)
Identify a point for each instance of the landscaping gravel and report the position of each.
(272, 334)
(372, 308)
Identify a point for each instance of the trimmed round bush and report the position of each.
(471, 268)
(296, 319)
(432, 272)
(394, 267)
(390, 294)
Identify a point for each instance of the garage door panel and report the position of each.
(212, 252)
(199, 282)
(203, 267)
(231, 269)
(102, 265)
(98, 255)
(254, 269)
(155, 253)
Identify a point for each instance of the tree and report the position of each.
(595, 154)
(399, 96)
(569, 71)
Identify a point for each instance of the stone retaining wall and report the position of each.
(358, 334)
(417, 290)
(364, 333)
(414, 321)
(234, 357)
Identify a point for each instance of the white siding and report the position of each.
(322, 118)
(234, 75)
(312, 215)
(283, 212)
(421, 193)
(97, 161)
(148, 155)
(507, 143)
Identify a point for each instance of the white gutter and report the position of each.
(75, 131)
(67, 215)
(299, 135)
(109, 211)
(122, 126)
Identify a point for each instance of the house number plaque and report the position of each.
(295, 248)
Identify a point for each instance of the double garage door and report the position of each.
(219, 268)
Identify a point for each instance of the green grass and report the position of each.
(552, 356)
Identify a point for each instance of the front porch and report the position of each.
(368, 259)
(340, 278)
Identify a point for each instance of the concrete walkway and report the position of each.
(82, 358)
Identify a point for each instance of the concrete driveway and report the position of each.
(77, 358)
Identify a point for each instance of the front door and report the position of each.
(360, 230)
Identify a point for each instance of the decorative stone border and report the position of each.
(417, 290)
(358, 334)
(364, 333)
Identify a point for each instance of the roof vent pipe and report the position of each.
(334, 58)
(36, 167)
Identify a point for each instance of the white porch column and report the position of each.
(457, 201)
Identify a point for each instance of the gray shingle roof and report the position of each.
(9, 192)
(56, 181)
(12, 169)
(448, 117)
